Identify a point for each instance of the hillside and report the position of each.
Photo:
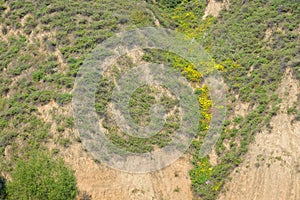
(253, 45)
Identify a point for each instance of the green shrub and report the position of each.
(63, 98)
(38, 75)
(42, 97)
(41, 177)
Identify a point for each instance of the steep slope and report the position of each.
(271, 168)
(36, 113)
(252, 43)
(103, 183)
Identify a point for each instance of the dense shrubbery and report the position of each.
(41, 177)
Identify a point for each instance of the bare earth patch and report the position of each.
(104, 183)
(214, 7)
(271, 169)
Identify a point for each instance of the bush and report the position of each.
(38, 75)
(63, 98)
(41, 177)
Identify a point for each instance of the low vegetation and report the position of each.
(43, 44)
(39, 176)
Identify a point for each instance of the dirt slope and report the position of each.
(271, 170)
(104, 183)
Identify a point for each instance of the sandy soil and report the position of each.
(271, 169)
(104, 183)
(214, 7)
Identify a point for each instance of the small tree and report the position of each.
(41, 177)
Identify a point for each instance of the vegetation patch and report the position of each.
(39, 176)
